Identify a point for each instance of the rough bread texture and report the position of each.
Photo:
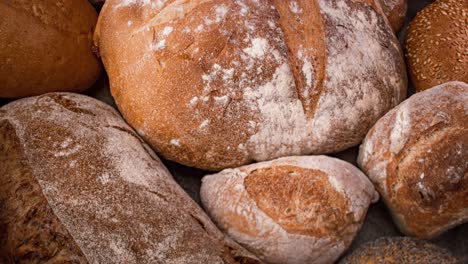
(46, 46)
(397, 250)
(437, 44)
(417, 156)
(219, 83)
(291, 210)
(79, 186)
(395, 10)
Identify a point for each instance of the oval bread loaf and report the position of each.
(46, 47)
(417, 157)
(395, 10)
(220, 83)
(77, 185)
(396, 250)
(437, 44)
(292, 210)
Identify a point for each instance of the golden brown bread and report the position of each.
(220, 83)
(437, 44)
(417, 156)
(398, 250)
(77, 185)
(292, 210)
(46, 46)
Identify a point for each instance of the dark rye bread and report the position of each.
(77, 185)
(214, 84)
(400, 250)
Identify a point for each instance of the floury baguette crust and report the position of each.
(417, 157)
(77, 185)
(220, 83)
(292, 210)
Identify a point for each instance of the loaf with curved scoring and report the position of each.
(220, 83)
(417, 156)
(292, 210)
(46, 47)
(78, 185)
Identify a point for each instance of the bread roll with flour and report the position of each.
(417, 157)
(395, 10)
(46, 47)
(78, 185)
(221, 83)
(292, 210)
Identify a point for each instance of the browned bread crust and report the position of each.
(292, 210)
(46, 46)
(417, 156)
(437, 44)
(77, 185)
(220, 83)
(395, 10)
(399, 250)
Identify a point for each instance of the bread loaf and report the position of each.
(437, 44)
(78, 185)
(217, 84)
(417, 157)
(46, 46)
(397, 250)
(292, 210)
(395, 10)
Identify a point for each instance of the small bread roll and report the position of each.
(395, 10)
(292, 210)
(219, 84)
(398, 250)
(437, 44)
(46, 46)
(417, 156)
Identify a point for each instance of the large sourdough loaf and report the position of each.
(417, 156)
(77, 185)
(291, 210)
(221, 83)
(46, 46)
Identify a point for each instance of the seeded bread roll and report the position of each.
(220, 83)
(46, 46)
(395, 10)
(398, 250)
(291, 210)
(437, 44)
(78, 185)
(417, 157)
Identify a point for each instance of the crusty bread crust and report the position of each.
(395, 250)
(220, 83)
(437, 44)
(291, 210)
(46, 47)
(93, 192)
(417, 156)
(395, 10)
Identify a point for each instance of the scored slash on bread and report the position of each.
(417, 157)
(216, 84)
(292, 210)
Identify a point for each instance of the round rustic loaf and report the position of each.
(437, 44)
(417, 156)
(78, 185)
(291, 210)
(216, 84)
(395, 10)
(398, 250)
(46, 46)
